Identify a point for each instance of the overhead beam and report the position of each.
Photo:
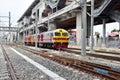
(8, 29)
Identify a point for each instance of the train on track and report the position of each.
(57, 39)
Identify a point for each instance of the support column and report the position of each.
(119, 34)
(104, 32)
(26, 32)
(9, 26)
(88, 30)
(78, 28)
(23, 36)
(92, 24)
(81, 29)
(20, 37)
(17, 36)
(52, 26)
(36, 33)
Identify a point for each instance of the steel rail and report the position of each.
(9, 65)
(94, 55)
(110, 52)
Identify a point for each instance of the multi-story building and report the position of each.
(43, 15)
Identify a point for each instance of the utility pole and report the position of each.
(92, 24)
(9, 17)
(9, 24)
(36, 19)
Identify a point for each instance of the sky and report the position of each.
(15, 7)
(109, 28)
(18, 7)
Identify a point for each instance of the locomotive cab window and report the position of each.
(64, 34)
(57, 34)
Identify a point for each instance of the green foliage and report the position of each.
(97, 34)
(114, 30)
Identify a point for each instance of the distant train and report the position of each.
(58, 38)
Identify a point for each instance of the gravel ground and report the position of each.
(25, 70)
(63, 71)
(3, 69)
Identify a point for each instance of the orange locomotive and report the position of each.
(58, 38)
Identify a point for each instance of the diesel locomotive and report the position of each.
(57, 39)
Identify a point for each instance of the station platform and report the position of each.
(103, 48)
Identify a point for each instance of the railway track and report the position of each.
(3, 69)
(10, 70)
(110, 52)
(96, 69)
(101, 54)
(94, 54)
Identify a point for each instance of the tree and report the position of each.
(97, 34)
(114, 30)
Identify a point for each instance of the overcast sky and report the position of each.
(18, 7)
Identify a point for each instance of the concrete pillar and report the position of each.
(78, 28)
(52, 26)
(24, 34)
(92, 24)
(81, 24)
(21, 37)
(104, 33)
(33, 31)
(119, 34)
(88, 30)
(83, 29)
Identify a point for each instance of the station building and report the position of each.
(45, 15)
